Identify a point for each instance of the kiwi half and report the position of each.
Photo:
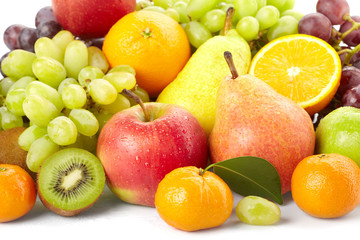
(70, 181)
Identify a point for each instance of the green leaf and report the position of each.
(250, 176)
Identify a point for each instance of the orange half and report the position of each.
(303, 68)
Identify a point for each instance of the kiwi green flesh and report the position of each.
(70, 181)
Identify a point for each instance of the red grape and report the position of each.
(48, 29)
(351, 97)
(45, 14)
(317, 25)
(11, 36)
(27, 38)
(333, 9)
(350, 77)
(353, 39)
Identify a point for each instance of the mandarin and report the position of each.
(155, 45)
(326, 185)
(17, 192)
(190, 199)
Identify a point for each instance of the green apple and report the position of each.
(339, 132)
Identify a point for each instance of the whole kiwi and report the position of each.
(10, 151)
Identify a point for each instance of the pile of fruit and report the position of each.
(177, 104)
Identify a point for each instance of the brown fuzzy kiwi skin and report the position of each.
(59, 211)
(11, 152)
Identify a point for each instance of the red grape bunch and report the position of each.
(333, 23)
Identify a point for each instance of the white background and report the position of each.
(112, 217)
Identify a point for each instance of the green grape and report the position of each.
(66, 82)
(121, 80)
(289, 4)
(102, 117)
(45, 91)
(5, 85)
(155, 9)
(171, 12)
(21, 83)
(39, 150)
(76, 58)
(14, 102)
(97, 59)
(180, 7)
(197, 8)
(256, 210)
(163, 3)
(49, 71)
(9, 120)
(245, 8)
(45, 47)
(88, 143)
(123, 68)
(197, 33)
(29, 135)
(39, 110)
(248, 27)
(62, 39)
(120, 104)
(214, 20)
(74, 96)
(285, 26)
(85, 121)
(102, 91)
(267, 17)
(276, 3)
(261, 3)
(62, 131)
(18, 64)
(89, 73)
(142, 4)
(295, 14)
(141, 93)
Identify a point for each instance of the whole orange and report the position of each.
(17, 192)
(152, 43)
(190, 199)
(326, 185)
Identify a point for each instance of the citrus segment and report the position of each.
(303, 68)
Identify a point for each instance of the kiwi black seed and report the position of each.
(70, 181)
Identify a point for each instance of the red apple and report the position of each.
(90, 18)
(137, 154)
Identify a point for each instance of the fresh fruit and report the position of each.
(252, 119)
(90, 19)
(190, 199)
(338, 132)
(326, 185)
(18, 192)
(317, 25)
(333, 9)
(256, 210)
(153, 44)
(353, 38)
(140, 145)
(286, 65)
(10, 151)
(196, 85)
(70, 181)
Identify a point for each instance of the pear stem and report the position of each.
(230, 62)
(138, 100)
(228, 20)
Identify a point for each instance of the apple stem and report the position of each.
(228, 20)
(138, 100)
(230, 62)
